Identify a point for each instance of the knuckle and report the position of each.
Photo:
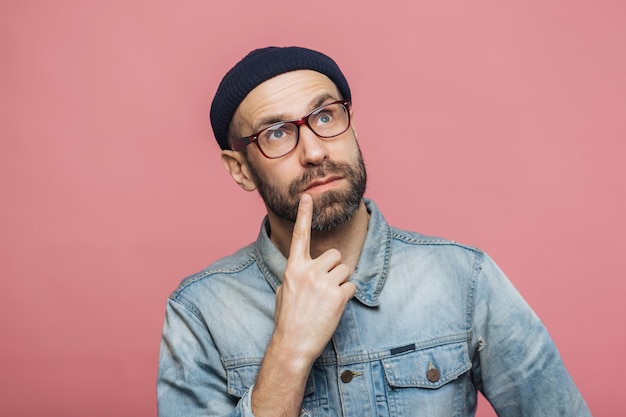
(290, 271)
(344, 268)
(332, 255)
(342, 271)
(350, 290)
(295, 272)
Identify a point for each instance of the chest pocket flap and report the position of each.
(427, 368)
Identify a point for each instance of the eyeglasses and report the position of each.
(279, 139)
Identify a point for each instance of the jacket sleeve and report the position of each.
(516, 365)
(191, 380)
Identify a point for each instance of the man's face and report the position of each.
(330, 170)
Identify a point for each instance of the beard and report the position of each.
(331, 208)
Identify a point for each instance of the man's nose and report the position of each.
(313, 149)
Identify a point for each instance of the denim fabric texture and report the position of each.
(432, 323)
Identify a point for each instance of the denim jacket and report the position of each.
(432, 323)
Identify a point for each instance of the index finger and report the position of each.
(301, 236)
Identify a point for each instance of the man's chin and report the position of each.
(332, 211)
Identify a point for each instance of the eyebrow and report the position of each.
(277, 118)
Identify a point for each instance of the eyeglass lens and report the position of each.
(326, 122)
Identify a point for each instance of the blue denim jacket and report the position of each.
(431, 323)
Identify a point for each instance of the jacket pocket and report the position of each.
(241, 378)
(427, 368)
(428, 382)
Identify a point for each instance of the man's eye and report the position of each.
(276, 134)
(323, 119)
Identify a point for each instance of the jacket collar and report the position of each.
(371, 270)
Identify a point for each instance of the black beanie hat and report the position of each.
(259, 66)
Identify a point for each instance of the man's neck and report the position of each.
(347, 238)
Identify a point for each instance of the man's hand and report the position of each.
(314, 292)
(309, 305)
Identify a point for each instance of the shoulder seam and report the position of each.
(435, 241)
(212, 271)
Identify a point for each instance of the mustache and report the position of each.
(325, 169)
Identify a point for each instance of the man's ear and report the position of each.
(238, 168)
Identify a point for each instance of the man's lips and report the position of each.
(320, 183)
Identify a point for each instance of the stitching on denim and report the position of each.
(386, 353)
(188, 305)
(385, 270)
(473, 285)
(231, 363)
(209, 272)
(373, 300)
(269, 276)
(425, 240)
(332, 360)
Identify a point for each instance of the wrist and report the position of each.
(295, 358)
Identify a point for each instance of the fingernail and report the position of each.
(306, 199)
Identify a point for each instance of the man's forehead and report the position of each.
(286, 96)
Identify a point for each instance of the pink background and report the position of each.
(498, 124)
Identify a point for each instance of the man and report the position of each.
(332, 312)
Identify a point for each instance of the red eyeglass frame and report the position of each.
(240, 143)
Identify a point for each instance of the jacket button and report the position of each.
(433, 373)
(346, 376)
